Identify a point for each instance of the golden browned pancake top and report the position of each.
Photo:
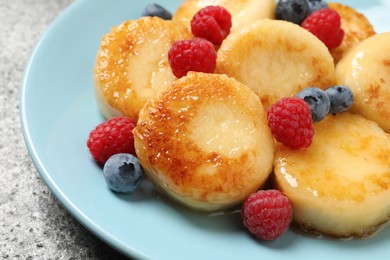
(172, 144)
(130, 59)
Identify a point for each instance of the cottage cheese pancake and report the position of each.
(340, 185)
(276, 59)
(204, 141)
(366, 71)
(132, 64)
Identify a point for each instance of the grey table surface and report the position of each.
(33, 224)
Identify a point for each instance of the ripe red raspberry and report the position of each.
(212, 23)
(111, 137)
(291, 122)
(196, 54)
(326, 25)
(267, 214)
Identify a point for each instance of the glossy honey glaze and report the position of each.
(366, 70)
(340, 185)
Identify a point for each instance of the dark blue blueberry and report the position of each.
(341, 98)
(294, 11)
(318, 101)
(157, 10)
(315, 5)
(123, 173)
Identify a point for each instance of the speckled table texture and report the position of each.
(33, 224)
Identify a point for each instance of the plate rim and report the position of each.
(68, 205)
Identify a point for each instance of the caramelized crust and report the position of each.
(132, 64)
(340, 185)
(356, 27)
(276, 59)
(205, 141)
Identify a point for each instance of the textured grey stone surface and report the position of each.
(33, 224)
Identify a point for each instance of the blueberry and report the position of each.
(318, 101)
(341, 98)
(157, 10)
(315, 5)
(123, 173)
(294, 11)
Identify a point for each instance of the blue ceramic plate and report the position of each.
(58, 110)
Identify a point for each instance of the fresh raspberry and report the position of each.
(111, 137)
(291, 122)
(326, 25)
(267, 214)
(212, 23)
(196, 54)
